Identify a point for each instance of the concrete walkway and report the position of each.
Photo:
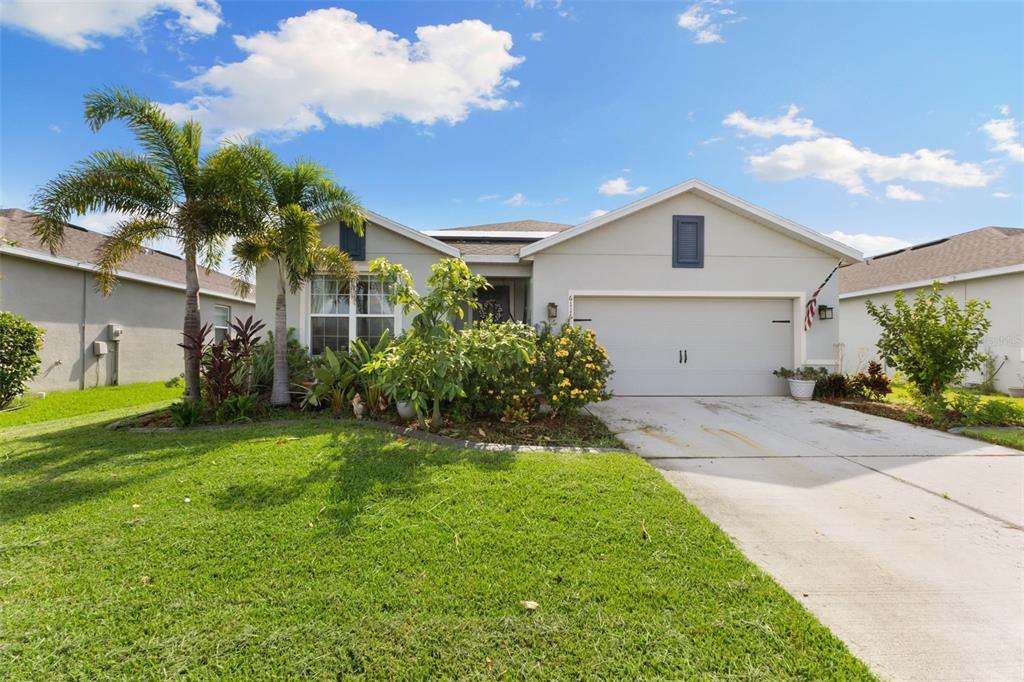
(908, 543)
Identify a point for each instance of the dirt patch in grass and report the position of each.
(583, 430)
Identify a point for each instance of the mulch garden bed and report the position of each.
(899, 411)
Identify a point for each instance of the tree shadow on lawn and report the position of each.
(362, 466)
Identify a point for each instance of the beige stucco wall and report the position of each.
(634, 254)
(59, 299)
(1005, 339)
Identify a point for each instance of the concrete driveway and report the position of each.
(908, 543)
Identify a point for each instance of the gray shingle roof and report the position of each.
(82, 245)
(514, 226)
(981, 249)
(485, 248)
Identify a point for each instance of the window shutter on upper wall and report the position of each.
(688, 241)
(351, 243)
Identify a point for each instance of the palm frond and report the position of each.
(335, 262)
(298, 242)
(248, 255)
(171, 147)
(105, 181)
(127, 239)
(330, 202)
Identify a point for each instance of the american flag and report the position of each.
(812, 303)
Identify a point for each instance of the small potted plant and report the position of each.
(1017, 391)
(801, 380)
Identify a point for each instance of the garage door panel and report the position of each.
(729, 346)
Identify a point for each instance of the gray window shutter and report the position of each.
(688, 241)
(351, 243)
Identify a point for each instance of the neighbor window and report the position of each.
(340, 313)
(688, 241)
(221, 322)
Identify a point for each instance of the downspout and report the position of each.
(81, 332)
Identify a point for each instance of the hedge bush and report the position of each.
(20, 343)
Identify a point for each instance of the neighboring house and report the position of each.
(691, 290)
(984, 264)
(92, 340)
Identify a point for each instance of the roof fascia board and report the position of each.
(945, 279)
(509, 235)
(120, 274)
(803, 233)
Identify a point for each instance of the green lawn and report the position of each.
(901, 394)
(1008, 437)
(335, 551)
(64, 404)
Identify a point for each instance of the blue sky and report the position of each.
(888, 120)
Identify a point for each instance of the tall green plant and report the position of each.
(429, 364)
(304, 196)
(167, 190)
(20, 343)
(932, 341)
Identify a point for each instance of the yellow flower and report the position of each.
(554, 397)
(561, 371)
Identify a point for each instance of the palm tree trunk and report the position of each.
(279, 394)
(191, 325)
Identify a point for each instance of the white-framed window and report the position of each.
(221, 322)
(340, 313)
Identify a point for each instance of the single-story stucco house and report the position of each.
(95, 340)
(691, 290)
(983, 264)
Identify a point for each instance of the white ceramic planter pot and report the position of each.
(801, 389)
(1016, 392)
(405, 410)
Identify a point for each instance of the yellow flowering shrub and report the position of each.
(571, 369)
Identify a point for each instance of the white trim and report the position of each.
(799, 304)
(946, 279)
(802, 233)
(820, 362)
(509, 235)
(485, 258)
(120, 274)
(415, 235)
(307, 315)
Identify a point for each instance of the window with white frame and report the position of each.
(340, 313)
(221, 322)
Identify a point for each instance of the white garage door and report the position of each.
(689, 346)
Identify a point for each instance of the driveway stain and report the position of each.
(738, 436)
(843, 426)
(658, 434)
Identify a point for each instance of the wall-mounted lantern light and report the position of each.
(825, 312)
(552, 311)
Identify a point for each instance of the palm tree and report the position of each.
(305, 196)
(167, 190)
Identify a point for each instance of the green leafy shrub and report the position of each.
(835, 386)
(571, 368)
(367, 382)
(932, 341)
(872, 383)
(224, 367)
(801, 373)
(237, 408)
(186, 413)
(968, 409)
(500, 380)
(333, 377)
(20, 343)
(261, 363)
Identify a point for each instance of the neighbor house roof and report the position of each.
(80, 250)
(982, 252)
(716, 196)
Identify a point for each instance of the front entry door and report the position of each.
(495, 302)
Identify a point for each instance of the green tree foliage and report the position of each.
(20, 343)
(166, 190)
(933, 341)
(304, 196)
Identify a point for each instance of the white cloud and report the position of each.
(537, 36)
(870, 244)
(327, 64)
(711, 140)
(1005, 135)
(901, 193)
(700, 20)
(488, 197)
(787, 125)
(838, 160)
(596, 213)
(619, 186)
(517, 199)
(1002, 195)
(80, 25)
(54, 128)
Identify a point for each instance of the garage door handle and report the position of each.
(684, 357)
(680, 357)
